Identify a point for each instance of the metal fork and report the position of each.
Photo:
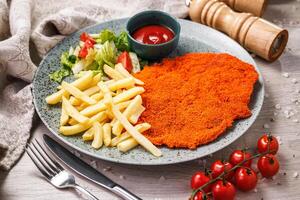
(52, 170)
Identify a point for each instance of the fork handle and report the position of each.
(84, 191)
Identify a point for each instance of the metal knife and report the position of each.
(86, 170)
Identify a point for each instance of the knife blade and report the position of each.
(86, 170)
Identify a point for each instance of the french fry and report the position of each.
(136, 115)
(78, 128)
(128, 94)
(117, 127)
(98, 96)
(56, 97)
(107, 100)
(107, 134)
(119, 91)
(119, 67)
(93, 109)
(111, 81)
(116, 140)
(107, 95)
(96, 79)
(80, 83)
(128, 144)
(98, 135)
(92, 90)
(73, 130)
(122, 83)
(141, 139)
(82, 106)
(77, 93)
(64, 117)
(139, 127)
(72, 122)
(123, 105)
(88, 135)
(72, 112)
(74, 101)
(113, 121)
(112, 73)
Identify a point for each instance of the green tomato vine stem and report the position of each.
(221, 176)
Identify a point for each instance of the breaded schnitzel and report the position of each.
(192, 99)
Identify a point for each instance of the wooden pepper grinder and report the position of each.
(253, 33)
(256, 7)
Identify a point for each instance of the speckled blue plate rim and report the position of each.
(165, 162)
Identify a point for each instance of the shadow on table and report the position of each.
(3, 175)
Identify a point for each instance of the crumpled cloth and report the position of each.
(28, 30)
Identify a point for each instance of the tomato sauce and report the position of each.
(153, 34)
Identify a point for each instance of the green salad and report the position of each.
(94, 51)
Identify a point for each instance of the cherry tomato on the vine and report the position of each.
(218, 167)
(201, 196)
(268, 165)
(199, 179)
(265, 141)
(223, 190)
(238, 156)
(245, 179)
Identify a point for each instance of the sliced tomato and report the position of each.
(88, 44)
(84, 50)
(85, 37)
(125, 60)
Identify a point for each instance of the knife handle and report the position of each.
(125, 194)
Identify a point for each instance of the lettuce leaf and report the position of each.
(121, 42)
(106, 35)
(67, 61)
(60, 74)
(106, 55)
(90, 58)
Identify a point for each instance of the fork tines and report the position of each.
(47, 166)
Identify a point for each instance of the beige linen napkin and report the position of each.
(44, 23)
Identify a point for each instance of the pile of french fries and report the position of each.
(106, 112)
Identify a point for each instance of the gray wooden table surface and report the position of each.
(172, 182)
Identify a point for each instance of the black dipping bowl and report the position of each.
(153, 17)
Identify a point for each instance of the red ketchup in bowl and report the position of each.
(153, 34)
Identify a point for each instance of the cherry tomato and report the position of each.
(268, 165)
(245, 179)
(218, 168)
(85, 36)
(125, 60)
(199, 179)
(238, 156)
(201, 196)
(223, 190)
(265, 141)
